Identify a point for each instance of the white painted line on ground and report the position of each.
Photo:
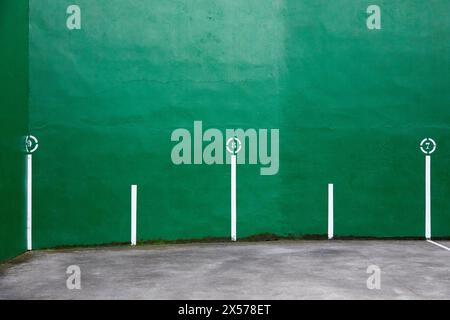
(330, 211)
(427, 197)
(439, 245)
(29, 201)
(233, 197)
(133, 213)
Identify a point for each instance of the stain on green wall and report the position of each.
(351, 105)
(13, 124)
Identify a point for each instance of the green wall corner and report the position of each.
(13, 125)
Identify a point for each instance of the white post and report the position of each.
(428, 197)
(133, 214)
(233, 197)
(330, 211)
(29, 201)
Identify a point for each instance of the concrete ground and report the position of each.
(252, 270)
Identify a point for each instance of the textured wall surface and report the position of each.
(13, 124)
(351, 104)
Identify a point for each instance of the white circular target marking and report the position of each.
(428, 146)
(234, 145)
(31, 144)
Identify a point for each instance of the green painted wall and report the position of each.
(351, 104)
(13, 124)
